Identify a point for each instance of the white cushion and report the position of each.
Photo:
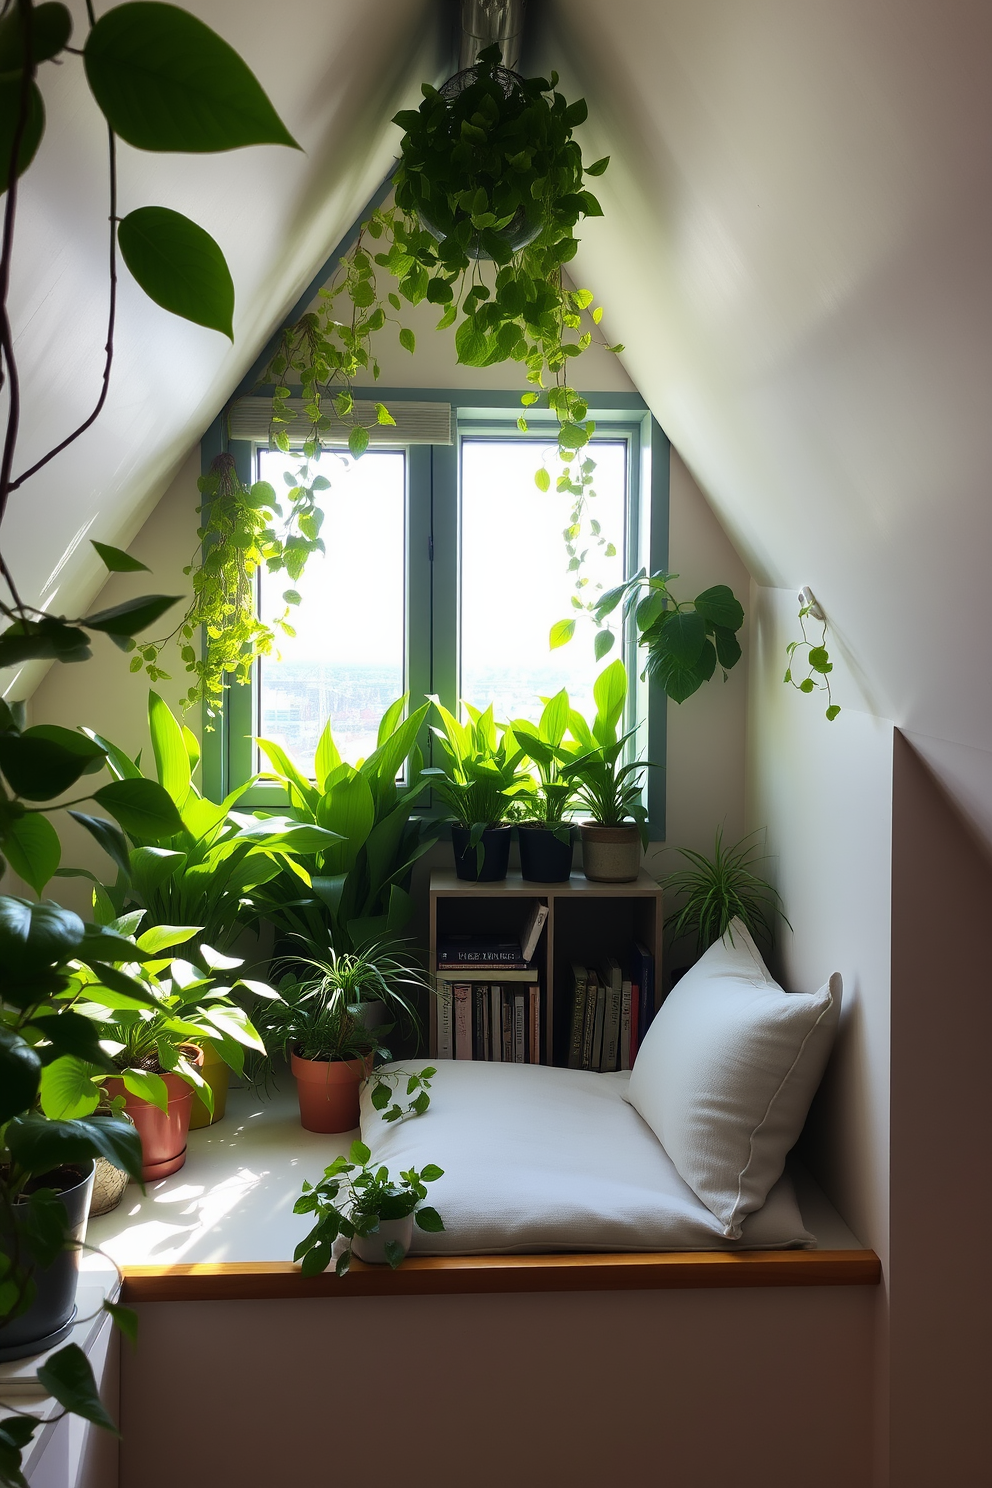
(726, 1073)
(539, 1159)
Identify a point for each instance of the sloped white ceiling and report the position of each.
(336, 72)
(797, 253)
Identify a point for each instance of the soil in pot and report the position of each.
(328, 1091)
(218, 1076)
(491, 864)
(49, 1318)
(610, 854)
(162, 1133)
(544, 858)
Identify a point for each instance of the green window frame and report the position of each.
(433, 568)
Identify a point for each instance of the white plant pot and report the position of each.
(372, 1248)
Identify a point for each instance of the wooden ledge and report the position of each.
(439, 1276)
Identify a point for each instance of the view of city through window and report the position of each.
(346, 661)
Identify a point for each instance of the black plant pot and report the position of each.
(544, 858)
(50, 1316)
(487, 865)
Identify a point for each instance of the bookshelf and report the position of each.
(586, 922)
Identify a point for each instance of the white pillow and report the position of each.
(726, 1073)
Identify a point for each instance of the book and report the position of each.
(445, 1022)
(462, 994)
(482, 1041)
(644, 971)
(589, 1019)
(507, 1011)
(578, 1017)
(519, 1028)
(496, 1023)
(455, 951)
(534, 1025)
(532, 931)
(626, 1012)
(635, 1008)
(612, 977)
(597, 1030)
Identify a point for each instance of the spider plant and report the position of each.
(721, 889)
(318, 1016)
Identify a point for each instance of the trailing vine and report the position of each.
(817, 658)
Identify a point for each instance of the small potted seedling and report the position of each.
(362, 1204)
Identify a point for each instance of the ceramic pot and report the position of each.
(372, 1248)
(218, 1076)
(162, 1133)
(328, 1091)
(495, 855)
(49, 1318)
(610, 854)
(544, 858)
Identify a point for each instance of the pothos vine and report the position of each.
(816, 660)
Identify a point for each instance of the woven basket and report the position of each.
(109, 1184)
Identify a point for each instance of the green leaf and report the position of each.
(165, 81)
(126, 1319)
(807, 685)
(169, 747)
(610, 694)
(728, 648)
(32, 848)
(40, 1145)
(67, 1089)
(117, 560)
(50, 639)
(162, 937)
(71, 1033)
(51, 27)
(407, 339)
(133, 615)
(179, 266)
(832, 711)
(394, 1253)
(20, 1072)
(109, 836)
(819, 660)
(598, 166)
(679, 678)
(36, 936)
(561, 633)
(682, 637)
(10, 112)
(428, 1219)
(45, 760)
(359, 1154)
(603, 643)
(147, 1086)
(358, 440)
(718, 606)
(67, 1375)
(142, 807)
(542, 479)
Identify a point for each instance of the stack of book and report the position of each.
(489, 1002)
(611, 1010)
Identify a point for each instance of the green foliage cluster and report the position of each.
(351, 1199)
(721, 889)
(608, 788)
(817, 658)
(550, 793)
(684, 640)
(483, 771)
(353, 891)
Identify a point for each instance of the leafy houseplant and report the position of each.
(482, 776)
(163, 81)
(543, 828)
(353, 891)
(611, 791)
(817, 658)
(374, 1214)
(721, 889)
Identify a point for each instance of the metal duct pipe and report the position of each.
(486, 21)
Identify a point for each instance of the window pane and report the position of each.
(515, 583)
(346, 663)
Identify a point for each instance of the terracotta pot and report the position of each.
(50, 1316)
(328, 1092)
(373, 1247)
(610, 854)
(218, 1076)
(162, 1133)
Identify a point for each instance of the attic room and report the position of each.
(497, 792)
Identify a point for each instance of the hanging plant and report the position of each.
(238, 535)
(813, 654)
(488, 194)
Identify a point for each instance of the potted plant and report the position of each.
(721, 889)
(330, 1048)
(544, 832)
(482, 776)
(374, 1214)
(157, 1047)
(355, 887)
(611, 791)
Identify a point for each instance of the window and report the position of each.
(445, 569)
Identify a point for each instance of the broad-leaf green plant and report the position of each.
(352, 1199)
(550, 797)
(607, 786)
(354, 891)
(483, 771)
